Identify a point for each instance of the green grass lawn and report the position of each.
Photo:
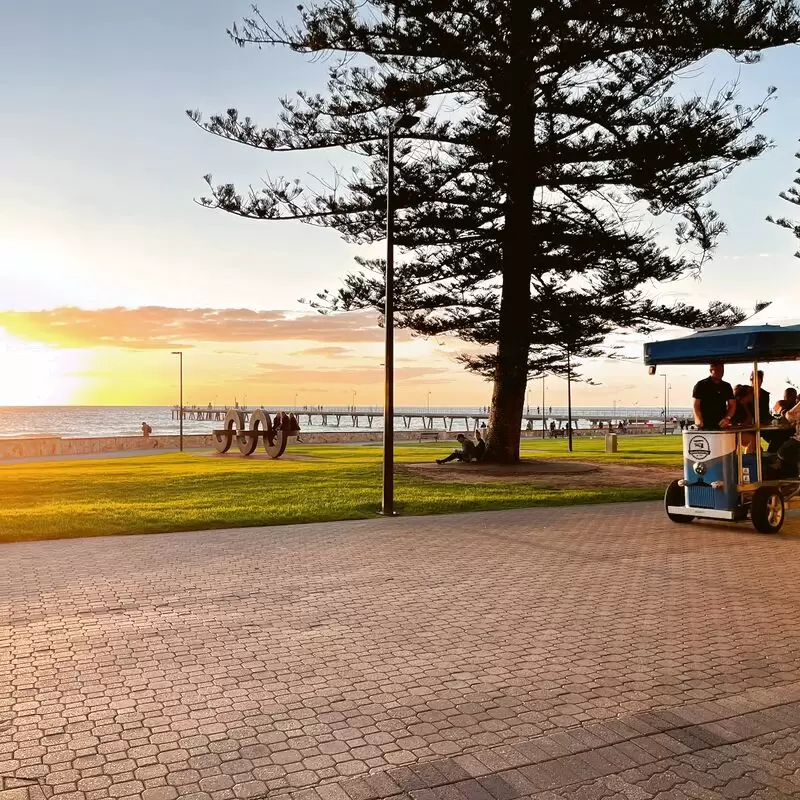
(149, 494)
(662, 451)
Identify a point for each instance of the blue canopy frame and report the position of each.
(740, 345)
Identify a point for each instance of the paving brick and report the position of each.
(160, 793)
(598, 763)
(498, 787)
(332, 791)
(572, 769)
(472, 790)
(429, 775)
(249, 789)
(521, 652)
(382, 785)
(541, 776)
(472, 766)
(407, 780)
(452, 771)
(532, 752)
(634, 753)
(359, 789)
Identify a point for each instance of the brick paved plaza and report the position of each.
(547, 653)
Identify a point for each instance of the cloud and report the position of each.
(158, 327)
(346, 375)
(326, 352)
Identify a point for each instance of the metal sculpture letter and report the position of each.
(275, 434)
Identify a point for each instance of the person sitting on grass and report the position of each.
(466, 453)
(480, 446)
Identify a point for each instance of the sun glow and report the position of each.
(37, 374)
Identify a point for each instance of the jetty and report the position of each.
(360, 416)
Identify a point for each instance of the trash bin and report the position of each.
(611, 443)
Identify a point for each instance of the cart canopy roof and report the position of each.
(747, 343)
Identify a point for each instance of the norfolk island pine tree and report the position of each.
(528, 213)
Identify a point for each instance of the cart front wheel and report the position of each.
(675, 496)
(767, 510)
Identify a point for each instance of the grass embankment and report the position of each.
(149, 494)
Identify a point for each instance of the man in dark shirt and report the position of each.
(713, 400)
(764, 408)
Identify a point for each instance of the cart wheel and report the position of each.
(675, 496)
(767, 511)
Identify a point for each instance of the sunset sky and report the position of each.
(107, 264)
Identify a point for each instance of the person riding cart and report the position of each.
(721, 479)
(714, 404)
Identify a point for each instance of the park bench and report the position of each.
(274, 433)
(429, 436)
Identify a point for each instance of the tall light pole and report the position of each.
(354, 399)
(665, 404)
(429, 401)
(569, 401)
(179, 353)
(544, 425)
(405, 122)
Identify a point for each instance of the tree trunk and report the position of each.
(511, 375)
(508, 394)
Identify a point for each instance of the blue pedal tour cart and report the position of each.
(720, 481)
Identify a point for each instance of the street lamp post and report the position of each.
(569, 401)
(544, 424)
(429, 401)
(665, 404)
(405, 122)
(179, 353)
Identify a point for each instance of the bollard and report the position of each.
(611, 443)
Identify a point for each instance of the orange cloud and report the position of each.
(325, 352)
(157, 327)
(346, 374)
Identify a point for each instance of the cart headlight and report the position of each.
(700, 469)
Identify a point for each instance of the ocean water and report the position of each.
(96, 421)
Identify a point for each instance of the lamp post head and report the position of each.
(177, 352)
(405, 122)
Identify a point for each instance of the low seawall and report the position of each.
(43, 446)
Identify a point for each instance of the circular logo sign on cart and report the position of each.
(699, 447)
